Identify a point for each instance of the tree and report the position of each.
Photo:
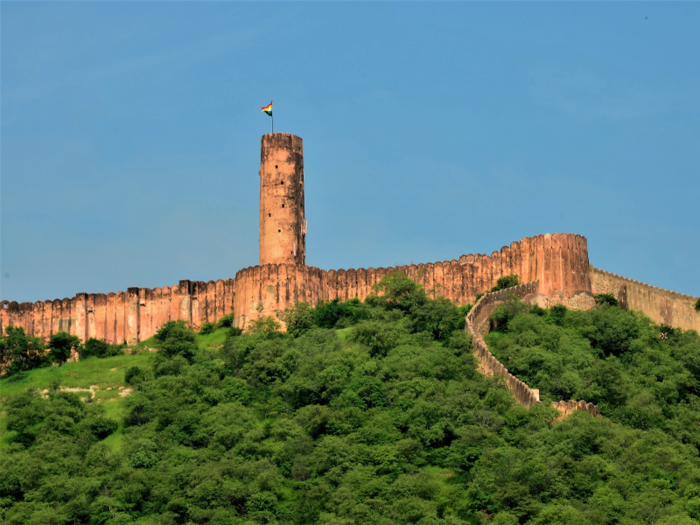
(605, 299)
(176, 338)
(99, 348)
(264, 326)
(697, 304)
(299, 318)
(398, 291)
(20, 352)
(60, 346)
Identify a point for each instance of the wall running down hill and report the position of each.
(478, 325)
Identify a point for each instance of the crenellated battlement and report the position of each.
(558, 262)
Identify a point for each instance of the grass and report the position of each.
(107, 373)
(82, 374)
(213, 340)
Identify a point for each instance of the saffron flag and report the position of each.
(268, 109)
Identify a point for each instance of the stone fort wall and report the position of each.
(559, 262)
(662, 306)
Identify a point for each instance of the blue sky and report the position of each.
(131, 133)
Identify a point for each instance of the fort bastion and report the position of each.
(558, 262)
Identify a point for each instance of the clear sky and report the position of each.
(131, 135)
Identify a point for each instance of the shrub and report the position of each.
(397, 290)
(332, 314)
(99, 348)
(299, 318)
(265, 326)
(697, 304)
(507, 281)
(557, 313)
(207, 328)
(60, 346)
(175, 338)
(133, 375)
(226, 321)
(20, 352)
(605, 299)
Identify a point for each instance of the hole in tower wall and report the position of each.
(281, 182)
(269, 215)
(283, 205)
(275, 166)
(279, 231)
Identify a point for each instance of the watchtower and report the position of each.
(282, 224)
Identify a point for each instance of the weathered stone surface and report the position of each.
(662, 306)
(558, 262)
(282, 223)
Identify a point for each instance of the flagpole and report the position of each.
(273, 122)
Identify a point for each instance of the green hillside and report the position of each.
(364, 413)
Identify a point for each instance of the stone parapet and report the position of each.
(559, 262)
(661, 306)
(567, 408)
(124, 317)
(477, 323)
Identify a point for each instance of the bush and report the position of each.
(133, 375)
(605, 299)
(697, 305)
(60, 346)
(507, 281)
(398, 291)
(20, 352)
(207, 328)
(99, 348)
(265, 326)
(226, 321)
(175, 338)
(299, 319)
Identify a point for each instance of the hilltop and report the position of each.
(364, 413)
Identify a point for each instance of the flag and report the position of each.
(268, 109)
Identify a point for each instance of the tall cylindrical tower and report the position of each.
(282, 224)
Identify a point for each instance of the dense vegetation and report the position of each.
(641, 374)
(20, 352)
(363, 413)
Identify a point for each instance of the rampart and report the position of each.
(478, 324)
(559, 262)
(124, 317)
(661, 306)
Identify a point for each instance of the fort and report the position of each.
(558, 265)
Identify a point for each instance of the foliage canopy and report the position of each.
(373, 413)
